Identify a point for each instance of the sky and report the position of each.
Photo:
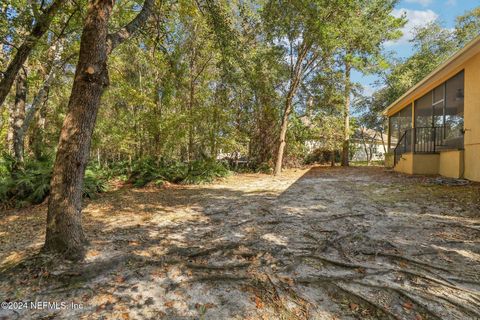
(419, 13)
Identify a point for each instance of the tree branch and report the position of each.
(41, 26)
(114, 39)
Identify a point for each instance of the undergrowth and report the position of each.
(196, 172)
(31, 185)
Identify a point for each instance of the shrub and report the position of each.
(205, 171)
(32, 184)
(200, 171)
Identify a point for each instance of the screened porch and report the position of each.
(438, 118)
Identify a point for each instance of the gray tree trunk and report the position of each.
(19, 118)
(346, 117)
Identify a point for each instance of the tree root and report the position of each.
(217, 267)
(203, 252)
(335, 262)
(403, 294)
(408, 295)
(341, 217)
(219, 278)
(399, 257)
(325, 279)
(375, 305)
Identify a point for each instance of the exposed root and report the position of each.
(371, 303)
(343, 216)
(219, 278)
(335, 262)
(399, 257)
(403, 294)
(409, 295)
(217, 267)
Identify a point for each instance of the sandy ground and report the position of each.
(322, 243)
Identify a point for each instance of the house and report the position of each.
(369, 145)
(434, 128)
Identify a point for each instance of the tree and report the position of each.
(64, 232)
(370, 25)
(467, 27)
(307, 35)
(42, 23)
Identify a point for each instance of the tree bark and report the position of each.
(65, 234)
(346, 116)
(37, 137)
(41, 26)
(19, 118)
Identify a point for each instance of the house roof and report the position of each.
(451, 64)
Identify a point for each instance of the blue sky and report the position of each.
(419, 12)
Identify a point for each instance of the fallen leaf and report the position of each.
(408, 305)
(258, 303)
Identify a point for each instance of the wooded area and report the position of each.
(94, 93)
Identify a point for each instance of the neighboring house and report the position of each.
(370, 145)
(434, 128)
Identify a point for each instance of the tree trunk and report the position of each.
(295, 81)
(37, 136)
(11, 121)
(346, 116)
(65, 233)
(38, 100)
(383, 142)
(41, 26)
(19, 118)
(191, 102)
(283, 134)
(332, 158)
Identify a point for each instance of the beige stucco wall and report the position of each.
(418, 163)
(405, 164)
(426, 163)
(472, 119)
(451, 163)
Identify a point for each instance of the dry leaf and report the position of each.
(258, 303)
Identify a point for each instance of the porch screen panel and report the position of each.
(454, 111)
(399, 123)
(424, 111)
(394, 131)
(438, 104)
